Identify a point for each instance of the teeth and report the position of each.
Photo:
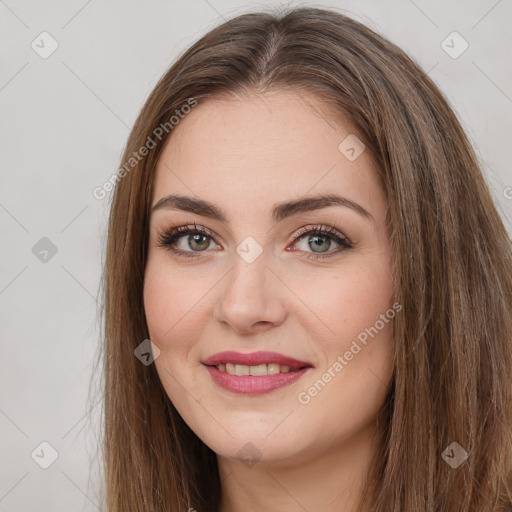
(273, 369)
(258, 370)
(261, 369)
(241, 369)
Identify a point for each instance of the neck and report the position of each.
(330, 481)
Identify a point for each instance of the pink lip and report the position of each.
(250, 384)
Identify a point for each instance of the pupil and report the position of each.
(197, 237)
(315, 240)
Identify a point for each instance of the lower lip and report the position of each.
(254, 385)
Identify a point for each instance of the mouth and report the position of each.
(255, 370)
(254, 373)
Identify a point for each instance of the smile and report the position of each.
(258, 370)
(254, 373)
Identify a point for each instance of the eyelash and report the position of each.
(167, 239)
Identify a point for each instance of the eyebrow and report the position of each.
(279, 211)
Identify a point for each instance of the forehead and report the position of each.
(262, 147)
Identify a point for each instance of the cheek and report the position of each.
(157, 300)
(362, 314)
(351, 381)
(349, 302)
(172, 322)
(356, 306)
(168, 303)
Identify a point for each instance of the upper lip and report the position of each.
(254, 359)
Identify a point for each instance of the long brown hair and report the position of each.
(452, 274)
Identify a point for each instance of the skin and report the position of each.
(245, 155)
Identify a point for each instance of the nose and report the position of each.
(252, 298)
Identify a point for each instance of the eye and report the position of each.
(189, 242)
(319, 238)
(197, 239)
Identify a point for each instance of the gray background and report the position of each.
(63, 125)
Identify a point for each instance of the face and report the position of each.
(293, 299)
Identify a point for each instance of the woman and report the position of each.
(247, 368)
